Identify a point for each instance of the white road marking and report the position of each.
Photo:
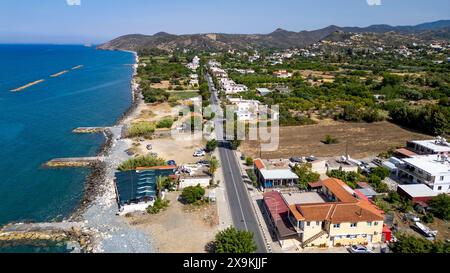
(237, 193)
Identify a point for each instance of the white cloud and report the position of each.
(73, 2)
(374, 2)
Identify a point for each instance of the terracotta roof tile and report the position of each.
(353, 213)
(339, 189)
(259, 164)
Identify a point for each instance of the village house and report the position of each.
(275, 173)
(282, 74)
(136, 190)
(283, 90)
(431, 170)
(335, 215)
(263, 91)
(429, 147)
(195, 64)
(230, 87)
(417, 193)
(193, 175)
(246, 110)
(193, 80)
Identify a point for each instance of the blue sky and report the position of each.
(95, 21)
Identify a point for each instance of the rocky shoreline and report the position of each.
(101, 230)
(97, 177)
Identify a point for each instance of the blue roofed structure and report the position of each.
(139, 186)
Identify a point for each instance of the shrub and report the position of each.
(165, 123)
(330, 140)
(141, 129)
(428, 218)
(158, 206)
(193, 194)
(155, 95)
(141, 161)
(249, 161)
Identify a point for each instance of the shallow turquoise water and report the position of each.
(36, 123)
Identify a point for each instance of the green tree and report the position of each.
(213, 166)
(413, 244)
(306, 175)
(232, 240)
(405, 205)
(350, 178)
(211, 145)
(193, 194)
(394, 197)
(440, 206)
(249, 161)
(381, 172)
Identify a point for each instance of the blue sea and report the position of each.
(36, 123)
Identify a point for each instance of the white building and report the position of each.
(246, 110)
(430, 147)
(219, 72)
(192, 181)
(214, 63)
(431, 170)
(194, 80)
(195, 64)
(193, 175)
(230, 87)
(282, 74)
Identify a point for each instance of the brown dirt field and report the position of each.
(181, 150)
(162, 85)
(179, 229)
(364, 140)
(154, 112)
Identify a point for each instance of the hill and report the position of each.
(279, 39)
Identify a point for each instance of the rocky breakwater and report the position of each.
(44, 234)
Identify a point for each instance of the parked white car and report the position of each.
(199, 153)
(360, 249)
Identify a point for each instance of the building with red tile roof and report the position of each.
(346, 218)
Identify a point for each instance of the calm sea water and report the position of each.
(36, 123)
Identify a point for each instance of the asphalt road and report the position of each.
(241, 209)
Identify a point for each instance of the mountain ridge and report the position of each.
(280, 38)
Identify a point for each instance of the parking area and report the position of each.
(180, 150)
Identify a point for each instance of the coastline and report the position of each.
(97, 175)
(96, 214)
(98, 209)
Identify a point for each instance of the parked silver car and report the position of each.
(359, 249)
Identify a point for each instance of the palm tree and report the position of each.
(160, 181)
(213, 166)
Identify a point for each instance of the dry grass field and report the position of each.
(363, 140)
